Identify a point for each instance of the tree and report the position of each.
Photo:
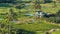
(11, 15)
(58, 13)
(7, 1)
(37, 4)
(47, 1)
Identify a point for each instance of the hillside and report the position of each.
(20, 17)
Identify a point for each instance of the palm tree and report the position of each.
(37, 4)
(11, 15)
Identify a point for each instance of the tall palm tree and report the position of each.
(10, 15)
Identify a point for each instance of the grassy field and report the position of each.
(48, 7)
(40, 27)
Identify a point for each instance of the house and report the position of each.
(43, 14)
(39, 13)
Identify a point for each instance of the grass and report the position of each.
(49, 8)
(38, 27)
(56, 32)
(45, 8)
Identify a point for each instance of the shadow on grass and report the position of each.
(21, 31)
(4, 5)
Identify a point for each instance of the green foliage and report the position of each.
(6, 1)
(37, 27)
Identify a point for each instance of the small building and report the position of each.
(39, 13)
(43, 14)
